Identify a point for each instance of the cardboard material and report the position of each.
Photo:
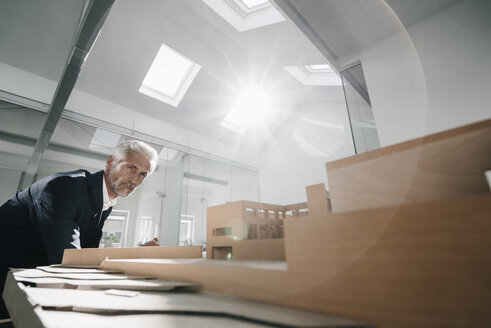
(189, 303)
(248, 230)
(35, 273)
(58, 269)
(19, 307)
(418, 265)
(444, 165)
(27, 315)
(94, 256)
(126, 284)
(270, 249)
(62, 319)
(318, 200)
(249, 264)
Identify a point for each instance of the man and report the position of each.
(68, 210)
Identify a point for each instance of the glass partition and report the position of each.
(170, 204)
(206, 183)
(362, 121)
(19, 129)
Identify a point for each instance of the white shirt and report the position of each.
(106, 202)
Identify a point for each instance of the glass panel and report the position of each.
(159, 213)
(171, 204)
(364, 129)
(244, 185)
(19, 129)
(208, 183)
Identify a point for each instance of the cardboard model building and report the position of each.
(244, 230)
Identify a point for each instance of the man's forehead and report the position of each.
(136, 158)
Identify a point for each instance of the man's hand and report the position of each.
(153, 242)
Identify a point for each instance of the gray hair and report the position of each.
(124, 148)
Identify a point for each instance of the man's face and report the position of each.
(124, 176)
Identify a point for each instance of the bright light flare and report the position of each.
(252, 107)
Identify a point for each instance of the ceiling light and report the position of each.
(169, 76)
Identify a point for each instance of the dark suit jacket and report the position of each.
(63, 210)
(60, 211)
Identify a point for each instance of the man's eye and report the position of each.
(143, 174)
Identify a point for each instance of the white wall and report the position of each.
(434, 77)
(295, 156)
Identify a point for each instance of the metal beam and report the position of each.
(289, 9)
(356, 84)
(92, 22)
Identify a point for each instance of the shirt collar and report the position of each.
(106, 203)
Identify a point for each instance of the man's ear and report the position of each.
(109, 163)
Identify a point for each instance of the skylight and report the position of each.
(169, 76)
(319, 68)
(318, 74)
(246, 15)
(253, 3)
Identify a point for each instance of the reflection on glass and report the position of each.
(206, 183)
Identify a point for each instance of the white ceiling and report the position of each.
(134, 31)
(349, 26)
(36, 35)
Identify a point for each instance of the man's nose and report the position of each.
(133, 178)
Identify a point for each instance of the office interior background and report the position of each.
(256, 95)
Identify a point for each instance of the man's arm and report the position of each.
(153, 242)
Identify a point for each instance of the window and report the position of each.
(321, 68)
(145, 229)
(318, 74)
(113, 231)
(169, 76)
(186, 232)
(246, 15)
